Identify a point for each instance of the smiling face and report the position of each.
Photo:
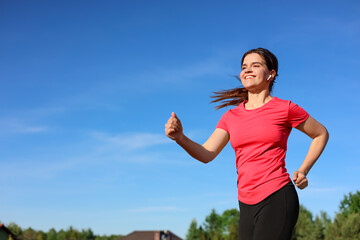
(255, 73)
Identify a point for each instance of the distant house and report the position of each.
(151, 235)
(5, 233)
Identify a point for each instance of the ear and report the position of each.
(273, 75)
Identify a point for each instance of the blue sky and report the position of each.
(87, 86)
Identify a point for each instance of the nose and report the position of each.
(245, 71)
(248, 69)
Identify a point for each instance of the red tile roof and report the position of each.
(5, 229)
(151, 235)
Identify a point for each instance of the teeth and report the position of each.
(249, 77)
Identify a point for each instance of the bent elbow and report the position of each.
(322, 134)
(207, 161)
(326, 135)
(208, 158)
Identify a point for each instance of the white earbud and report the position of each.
(269, 77)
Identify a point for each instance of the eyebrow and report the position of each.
(253, 63)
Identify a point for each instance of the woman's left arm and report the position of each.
(320, 136)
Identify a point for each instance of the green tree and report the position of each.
(304, 226)
(51, 235)
(111, 237)
(213, 226)
(318, 233)
(72, 234)
(216, 227)
(101, 238)
(350, 204)
(41, 235)
(29, 234)
(202, 233)
(230, 222)
(233, 230)
(346, 224)
(344, 227)
(61, 235)
(87, 234)
(193, 232)
(15, 229)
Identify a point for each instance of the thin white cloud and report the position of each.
(38, 168)
(117, 148)
(325, 190)
(17, 126)
(192, 71)
(130, 141)
(33, 129)
(318, 192)
(159, 77)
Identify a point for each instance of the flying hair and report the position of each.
(235, 96)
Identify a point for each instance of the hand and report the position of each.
(173, 128)
(300, 179)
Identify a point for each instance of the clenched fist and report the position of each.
(300, 179)
(173, 128)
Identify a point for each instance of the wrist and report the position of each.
(302, 171)
(180, 139)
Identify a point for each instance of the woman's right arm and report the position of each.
(204, 153)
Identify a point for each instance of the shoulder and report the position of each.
(229, 114)
(281, 101)
(279, 104)
(232, 110)
(285, 103)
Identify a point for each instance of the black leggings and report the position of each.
(273, 218)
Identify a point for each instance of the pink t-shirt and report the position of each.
(259, 138)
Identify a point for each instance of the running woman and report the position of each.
(258, 128)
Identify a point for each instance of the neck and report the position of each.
(256, 100)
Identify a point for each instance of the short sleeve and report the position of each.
(296, 114)
(222, 123)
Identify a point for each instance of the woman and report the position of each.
(258, 129)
